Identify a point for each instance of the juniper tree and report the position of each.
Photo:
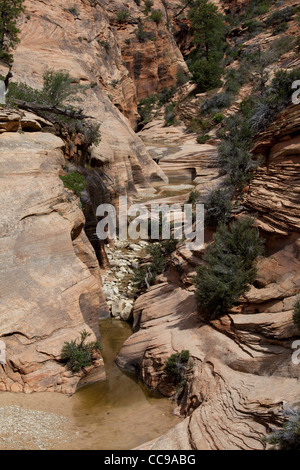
(229, 267)
(209, 39)
(10, 10)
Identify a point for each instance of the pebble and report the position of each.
(23, 429)
(118, 288)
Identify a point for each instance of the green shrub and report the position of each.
(236, 78)
(104, 44)
(10, 12)
(122, 16)
(182, 78)
(75, 182)
(229, 267)
(156, 16)
(148, 6)
(170, 115)
(73, 11)
(280, 28)
(202, 139)
(254, 9)
(145, 276)
(296, 314)
(216, 102)
(166, 94)
(218, 118)
(206, 74)
(176, 367)
(91, 132)
(253, 26)
(218, 207)
(143, 35)
(287, 438)
(234, 156)
(76, 355)
(277, 97)
(280, 16)
(21, 91)
(59, 87)
(208, 36)
(146, 108)
(194, 197)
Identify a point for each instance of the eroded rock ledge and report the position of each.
(50, 281)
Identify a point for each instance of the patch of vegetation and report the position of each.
(296, 314)
(145, 276)
(280, 16)
(148, 6)
(58, 91)
(218, 207)
(170, 115)
(58, 88)
(202, 139)
(287, 438)
(166, 94)
(75, 182)
(79, 355)
(146, 108)
(182, 78)
(194, 197)
(208, 30)
(104, 44)
(122, 16)
(143, 35)
(156, 16)
(253, 26)
(229, 267)
(73, 11)
(10, 12)
(254, 9)
(280, 28)
(176, 367)
(216, 102)
(234, 156)
(275, 98)
(218, 118)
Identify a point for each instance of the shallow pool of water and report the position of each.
(120, 412)
(116, 414)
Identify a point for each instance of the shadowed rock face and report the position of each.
(50, 279)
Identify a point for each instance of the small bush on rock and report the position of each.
(76, 355)
(287, 438)
(177, 365)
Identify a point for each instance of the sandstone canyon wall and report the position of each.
(50, 278)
